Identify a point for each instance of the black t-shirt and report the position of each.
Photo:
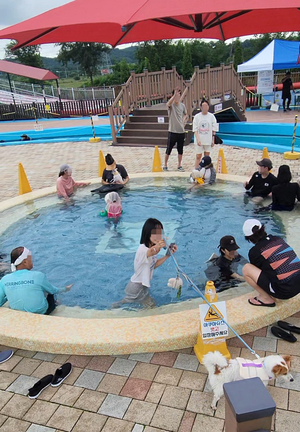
(284, 195)
(286, 86)
(220, 271)
(261, 186)
(276, 259)
(108, 176)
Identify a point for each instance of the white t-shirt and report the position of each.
(143, 266)
(205, 125)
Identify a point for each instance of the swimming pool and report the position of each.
(73, 244)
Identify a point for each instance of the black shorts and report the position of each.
(282, 291)
(175, 138)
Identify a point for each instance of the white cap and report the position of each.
(249, 225)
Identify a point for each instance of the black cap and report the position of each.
(206, 160)
(228, 242)
(265, 163)
(109, 159)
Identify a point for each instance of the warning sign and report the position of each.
(212, 320)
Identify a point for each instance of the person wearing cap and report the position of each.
(287, 84)
(205, 172)
(223, 270)
(285, 193)
(262, 181)
(65, 183)
(177, 119)
(204, 127)
(114, 173)
(26, 289)
(274, 269)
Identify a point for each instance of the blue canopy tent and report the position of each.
(279, 54)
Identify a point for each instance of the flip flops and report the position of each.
(289, 327)
(261, 303)
(282, 334)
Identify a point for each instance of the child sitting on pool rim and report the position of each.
(205, 173)
(65, 183)
(145, 261)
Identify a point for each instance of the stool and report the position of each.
(249, 406)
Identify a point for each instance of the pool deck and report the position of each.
(151, 392)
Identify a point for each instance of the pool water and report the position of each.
(73, 244)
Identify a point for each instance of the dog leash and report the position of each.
(198, 291)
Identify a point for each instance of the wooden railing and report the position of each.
(142, 90)
(150, 88)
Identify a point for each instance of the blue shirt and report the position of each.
(25, 291)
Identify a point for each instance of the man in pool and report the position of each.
(223, 269)
(26, 290)
(261, 183)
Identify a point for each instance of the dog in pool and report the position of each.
(221, 371)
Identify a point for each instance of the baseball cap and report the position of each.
(265, 163)
(229, 243)
(249, 225)
(206, 160)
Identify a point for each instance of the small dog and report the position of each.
(221, 371)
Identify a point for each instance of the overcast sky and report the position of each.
(15, 11)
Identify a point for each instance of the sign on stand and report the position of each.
(212, 325)
(265, 82)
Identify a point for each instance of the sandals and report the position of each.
(261, 303)
(289, 327)
(282, 334)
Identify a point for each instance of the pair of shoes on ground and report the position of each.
(54, 380)
(178, 169)
(284, 331)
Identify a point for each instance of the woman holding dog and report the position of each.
(274, 269)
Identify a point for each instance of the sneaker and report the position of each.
(284, 110)
(61, 374)
(180, 169)
(38, 387)
(165, 168)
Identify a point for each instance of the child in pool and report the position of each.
(137, 289)
(113, 207)
(65, 183)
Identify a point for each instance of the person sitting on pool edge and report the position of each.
(223, 269)
(65, 183)
(262, 181)
(274, 269)
(114, 173)
(25, 289)
(205, 173)
(285, 193)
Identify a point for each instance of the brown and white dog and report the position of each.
(221, 371)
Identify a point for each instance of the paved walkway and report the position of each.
(157, 392)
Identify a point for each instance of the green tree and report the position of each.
(86, 54)
(238, 53)
(187, 67)
(29, 56)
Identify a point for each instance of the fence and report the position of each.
(56, 109)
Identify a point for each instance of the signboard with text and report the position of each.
(212, 323)
(265, 81)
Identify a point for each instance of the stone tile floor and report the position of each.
(151, 392)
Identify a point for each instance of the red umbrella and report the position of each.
(116, 22)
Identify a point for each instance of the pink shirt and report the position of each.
(65, 187)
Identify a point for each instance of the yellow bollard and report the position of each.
(265, 153)
(156, 167)
(24, 186)
(292, 155)
(222, 168)
(102, 164)
(203, 347)
(94, 139)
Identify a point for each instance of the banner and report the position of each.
(265, 81)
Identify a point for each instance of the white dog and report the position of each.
(221, 370)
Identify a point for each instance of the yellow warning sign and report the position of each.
(211, 315)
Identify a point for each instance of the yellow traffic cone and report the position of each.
(156, 167)
(102, 163)
(203, 347)
(24, 186)
(222, 168)
(265, 153)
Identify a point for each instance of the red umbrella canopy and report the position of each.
(117, 22)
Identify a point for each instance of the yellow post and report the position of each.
(293, 155)
(222, 168)
(94, 139)
(265, 153)
(24, 186)
(156, 167)
(203, 347)
(102, 163)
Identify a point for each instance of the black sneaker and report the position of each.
(38, 387)
(61, 374)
